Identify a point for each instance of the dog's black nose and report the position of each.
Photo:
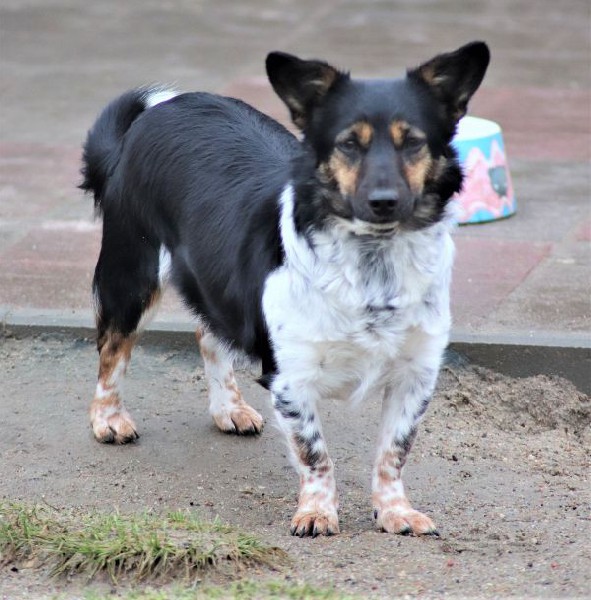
(383, 202)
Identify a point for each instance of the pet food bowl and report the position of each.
(487, 193)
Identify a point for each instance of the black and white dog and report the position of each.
(327, 259)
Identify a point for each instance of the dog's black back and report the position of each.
(200, 175)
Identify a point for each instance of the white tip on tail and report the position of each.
(157, 95)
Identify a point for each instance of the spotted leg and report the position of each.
(296, 412)
(405, 401)
(226, 405)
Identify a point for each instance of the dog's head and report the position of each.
(382, 147)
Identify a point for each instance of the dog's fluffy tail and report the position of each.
(102, 148)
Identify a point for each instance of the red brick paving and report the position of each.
(36, 178)
(540, 124)
(50, 268)
(486, 271)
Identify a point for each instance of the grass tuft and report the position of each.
(246, 589)
(142, 546)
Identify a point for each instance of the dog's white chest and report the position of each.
(345, 295)
(345, 304)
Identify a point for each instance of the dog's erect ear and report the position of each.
(455, 76)
(301, 84)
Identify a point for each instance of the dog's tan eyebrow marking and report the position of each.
(362, 130)
(399, 130)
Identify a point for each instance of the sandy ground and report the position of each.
(501, 465)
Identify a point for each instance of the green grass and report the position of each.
(142, 547)
(242, 590)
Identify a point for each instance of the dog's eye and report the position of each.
(413, 143)
(349, 145)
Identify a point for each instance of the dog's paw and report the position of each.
(113, 427)
(404, 521)
(241, 419)
(314, 523)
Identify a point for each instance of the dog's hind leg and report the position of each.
(127, 286)
(110, 421)
(405, 401)
(230, 412)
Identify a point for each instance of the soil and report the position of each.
(500, 464)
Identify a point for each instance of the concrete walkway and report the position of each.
(524, 281)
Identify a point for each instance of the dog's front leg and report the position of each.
(297, 415)
(405, 401)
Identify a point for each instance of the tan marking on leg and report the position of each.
(111, 423)
(227, 407)
(207, 351)
(317, 511)
(199, 333)
(388, 467)
(232, 387)
(392, 510)
(317, 503)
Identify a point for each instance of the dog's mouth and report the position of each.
(361, 227)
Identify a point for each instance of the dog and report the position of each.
(326, 258)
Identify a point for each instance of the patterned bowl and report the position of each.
(487, 193)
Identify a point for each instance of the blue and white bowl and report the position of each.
(487, 193)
